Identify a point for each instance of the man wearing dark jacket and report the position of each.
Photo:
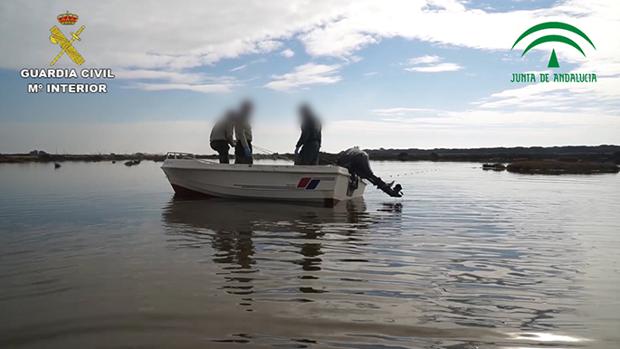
(310, 139)
(356, 161)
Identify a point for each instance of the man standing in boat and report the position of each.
(310, 139)
(243, 134)
(222, 136)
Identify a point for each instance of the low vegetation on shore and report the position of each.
(534, 160)
(42, 156)
(600, 153)
(557, 167)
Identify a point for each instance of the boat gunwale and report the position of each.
(202, 165)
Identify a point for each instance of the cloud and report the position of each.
(337, 39)
(437, 68)
(451, 23)
(424, 60)
(430, 64)
(596, 98)
(237, 68)
(268, 45)
(288, 53)
(397, 112)
(172, 76)
(146, 36)
(177, 80)
(446, 22)
(475, 128)
(166, 36)
(203, 88)
(161, 45)
(306, 75)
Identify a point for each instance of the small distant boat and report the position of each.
(319, 184)
(494, 167)
(56, 165)
(132, 162)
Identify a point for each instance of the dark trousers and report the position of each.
(240, 157)
(221, 147)
(309, 154)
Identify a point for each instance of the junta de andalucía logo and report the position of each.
(553, 63)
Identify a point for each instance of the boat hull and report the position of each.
(324, 184)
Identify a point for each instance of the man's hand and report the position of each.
(395, 192)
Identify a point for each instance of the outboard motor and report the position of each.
(358, 164)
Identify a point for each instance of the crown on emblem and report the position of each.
(67, 18)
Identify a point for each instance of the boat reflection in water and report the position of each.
(348, 269)
(236, 232)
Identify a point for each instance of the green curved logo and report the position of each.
(553, 60)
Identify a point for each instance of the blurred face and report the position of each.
(230, 115)
(304, 112)
(246, 109)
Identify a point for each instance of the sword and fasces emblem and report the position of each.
(66, 45)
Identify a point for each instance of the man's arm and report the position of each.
(229, 133)
(305, 134)
(240, 134)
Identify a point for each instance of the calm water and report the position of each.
(101, 255)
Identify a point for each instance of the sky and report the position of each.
(391, 74)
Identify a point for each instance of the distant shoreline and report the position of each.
(600, 153)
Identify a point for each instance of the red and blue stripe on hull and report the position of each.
(308, 183)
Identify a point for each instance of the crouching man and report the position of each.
(358, 164)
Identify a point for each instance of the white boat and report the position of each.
(321, 184)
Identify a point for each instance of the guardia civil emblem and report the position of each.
(66, 45)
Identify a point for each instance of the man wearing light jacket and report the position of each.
(222, 136)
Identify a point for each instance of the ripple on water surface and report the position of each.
(102, 253)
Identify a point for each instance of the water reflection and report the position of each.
(235, 215)
(348, 257)
(468, 259)
(231, 228)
